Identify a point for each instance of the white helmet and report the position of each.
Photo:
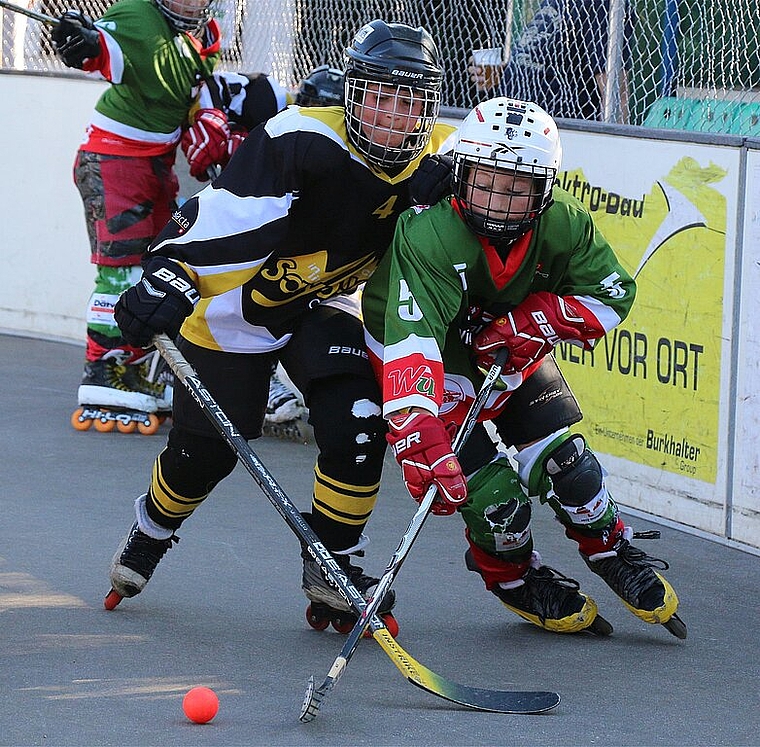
(511, 138)
(187, 15)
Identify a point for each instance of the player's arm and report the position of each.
(247, 99)
(228, 107)
(409, 303)
(594, 295)
(223, 235)
(215, 242)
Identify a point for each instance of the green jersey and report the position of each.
(440, 284)
(155, 73)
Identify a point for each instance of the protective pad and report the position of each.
(543, 404)
(327, 342)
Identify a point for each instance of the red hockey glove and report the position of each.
(160, 302)
(205, 142)
(237, 135)
(422, 447)
(529, 331)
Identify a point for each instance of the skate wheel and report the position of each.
(149, 428)
(129, 427)
(103, 426)
(600, 626)
(112, 599)
(676, 626)
(390, 622)
(343, 625)
(315, 621)
(79, 424)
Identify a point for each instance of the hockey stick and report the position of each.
(41, 17)
(525, 702)
(419, 675)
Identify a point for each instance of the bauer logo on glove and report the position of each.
(422, 447)
(531, 330)
(160, 302)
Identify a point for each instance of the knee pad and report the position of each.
(350, 433)
(349, 429)
(579, 496)
(110, 282)
(184, 473)
(575, 472)
(498, 512)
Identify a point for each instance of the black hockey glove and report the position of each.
(158, 303)
(432, 180)
(76, 39)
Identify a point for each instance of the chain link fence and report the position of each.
(661, 63)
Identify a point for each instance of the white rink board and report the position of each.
(745, 497)
(46, 255)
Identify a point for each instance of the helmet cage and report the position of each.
(389, 137)
(506, 160)
(498, 202)
(401, 63)
(187, 15)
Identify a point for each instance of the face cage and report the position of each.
(495, 214)
(370, 130)
(186, 15)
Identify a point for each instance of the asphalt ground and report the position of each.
(225, 610)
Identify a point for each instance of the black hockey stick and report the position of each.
(41, 17)
(519, 702)
(483, 700)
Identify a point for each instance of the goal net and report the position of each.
(662, 63)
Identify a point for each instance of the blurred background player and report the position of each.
(156, 55)
(251, 281)
(323, 86)
(510, 261)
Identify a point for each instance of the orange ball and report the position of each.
(200, 704)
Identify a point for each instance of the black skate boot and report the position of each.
(133, 564)
(546, 598)
(630, 573)
(328, 605)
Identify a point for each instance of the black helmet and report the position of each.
(323, 86)
(403, 62)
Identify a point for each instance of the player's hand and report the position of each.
(432, 179)
(205, 142)
(237, 135)
(422, 446)
(477, 75)
(75, 39)
(529, 331)
(160, 302)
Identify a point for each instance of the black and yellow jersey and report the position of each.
(297, 218)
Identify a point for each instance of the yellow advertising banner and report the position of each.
(650, 389)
